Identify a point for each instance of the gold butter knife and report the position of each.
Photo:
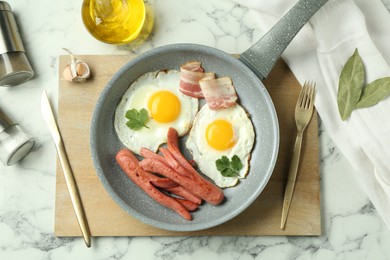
(48, 115)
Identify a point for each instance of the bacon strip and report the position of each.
(194, 82)
(219, 93)
(190, 74)
(195, 66)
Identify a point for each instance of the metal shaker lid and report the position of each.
(10, 39)
(4, 6)
(14, 145)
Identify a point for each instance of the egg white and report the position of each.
(137, 97)
(205, 156)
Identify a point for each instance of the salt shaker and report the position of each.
(14, 143)
(14, 65)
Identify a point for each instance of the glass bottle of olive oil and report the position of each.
(114, 21)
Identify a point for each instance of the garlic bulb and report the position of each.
(77, 70)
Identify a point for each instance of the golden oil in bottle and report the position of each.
(114, 21)
(146, 31)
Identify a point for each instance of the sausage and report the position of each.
(128, 160)
(164, 199)
(196, 184)
(130, 165)
(189, 205)
(146, 153)
(173, 163)
(215, 195)
(180, 191)
(164, 183)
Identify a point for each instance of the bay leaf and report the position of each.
(374, 92)
(350, 85)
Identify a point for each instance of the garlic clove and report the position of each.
(80, 71)
(77, 70)
(67, 74)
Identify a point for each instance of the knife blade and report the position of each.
(48, 115)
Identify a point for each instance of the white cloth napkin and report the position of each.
(318, 53)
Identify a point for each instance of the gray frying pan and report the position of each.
(246, 72)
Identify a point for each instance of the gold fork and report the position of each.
(303, 113)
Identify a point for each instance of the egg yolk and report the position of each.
(220, 135)
(164, 106)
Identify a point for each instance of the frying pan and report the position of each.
(246, 73)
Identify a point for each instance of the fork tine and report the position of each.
(305, 91)
(301, 97)
(312, 94)
(305, 105)
(309, 95)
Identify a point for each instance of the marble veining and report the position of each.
(351, 226)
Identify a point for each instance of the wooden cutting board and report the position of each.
(106, 218)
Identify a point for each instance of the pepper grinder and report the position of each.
(14, 143)
(14, 65)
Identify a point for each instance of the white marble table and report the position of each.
(351, 227)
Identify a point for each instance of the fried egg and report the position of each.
(216, 133)
(157, 92)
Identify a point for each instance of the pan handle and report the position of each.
(263, 55)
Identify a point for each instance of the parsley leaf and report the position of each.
(236, 163)
(229, 168)
(137, 119)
